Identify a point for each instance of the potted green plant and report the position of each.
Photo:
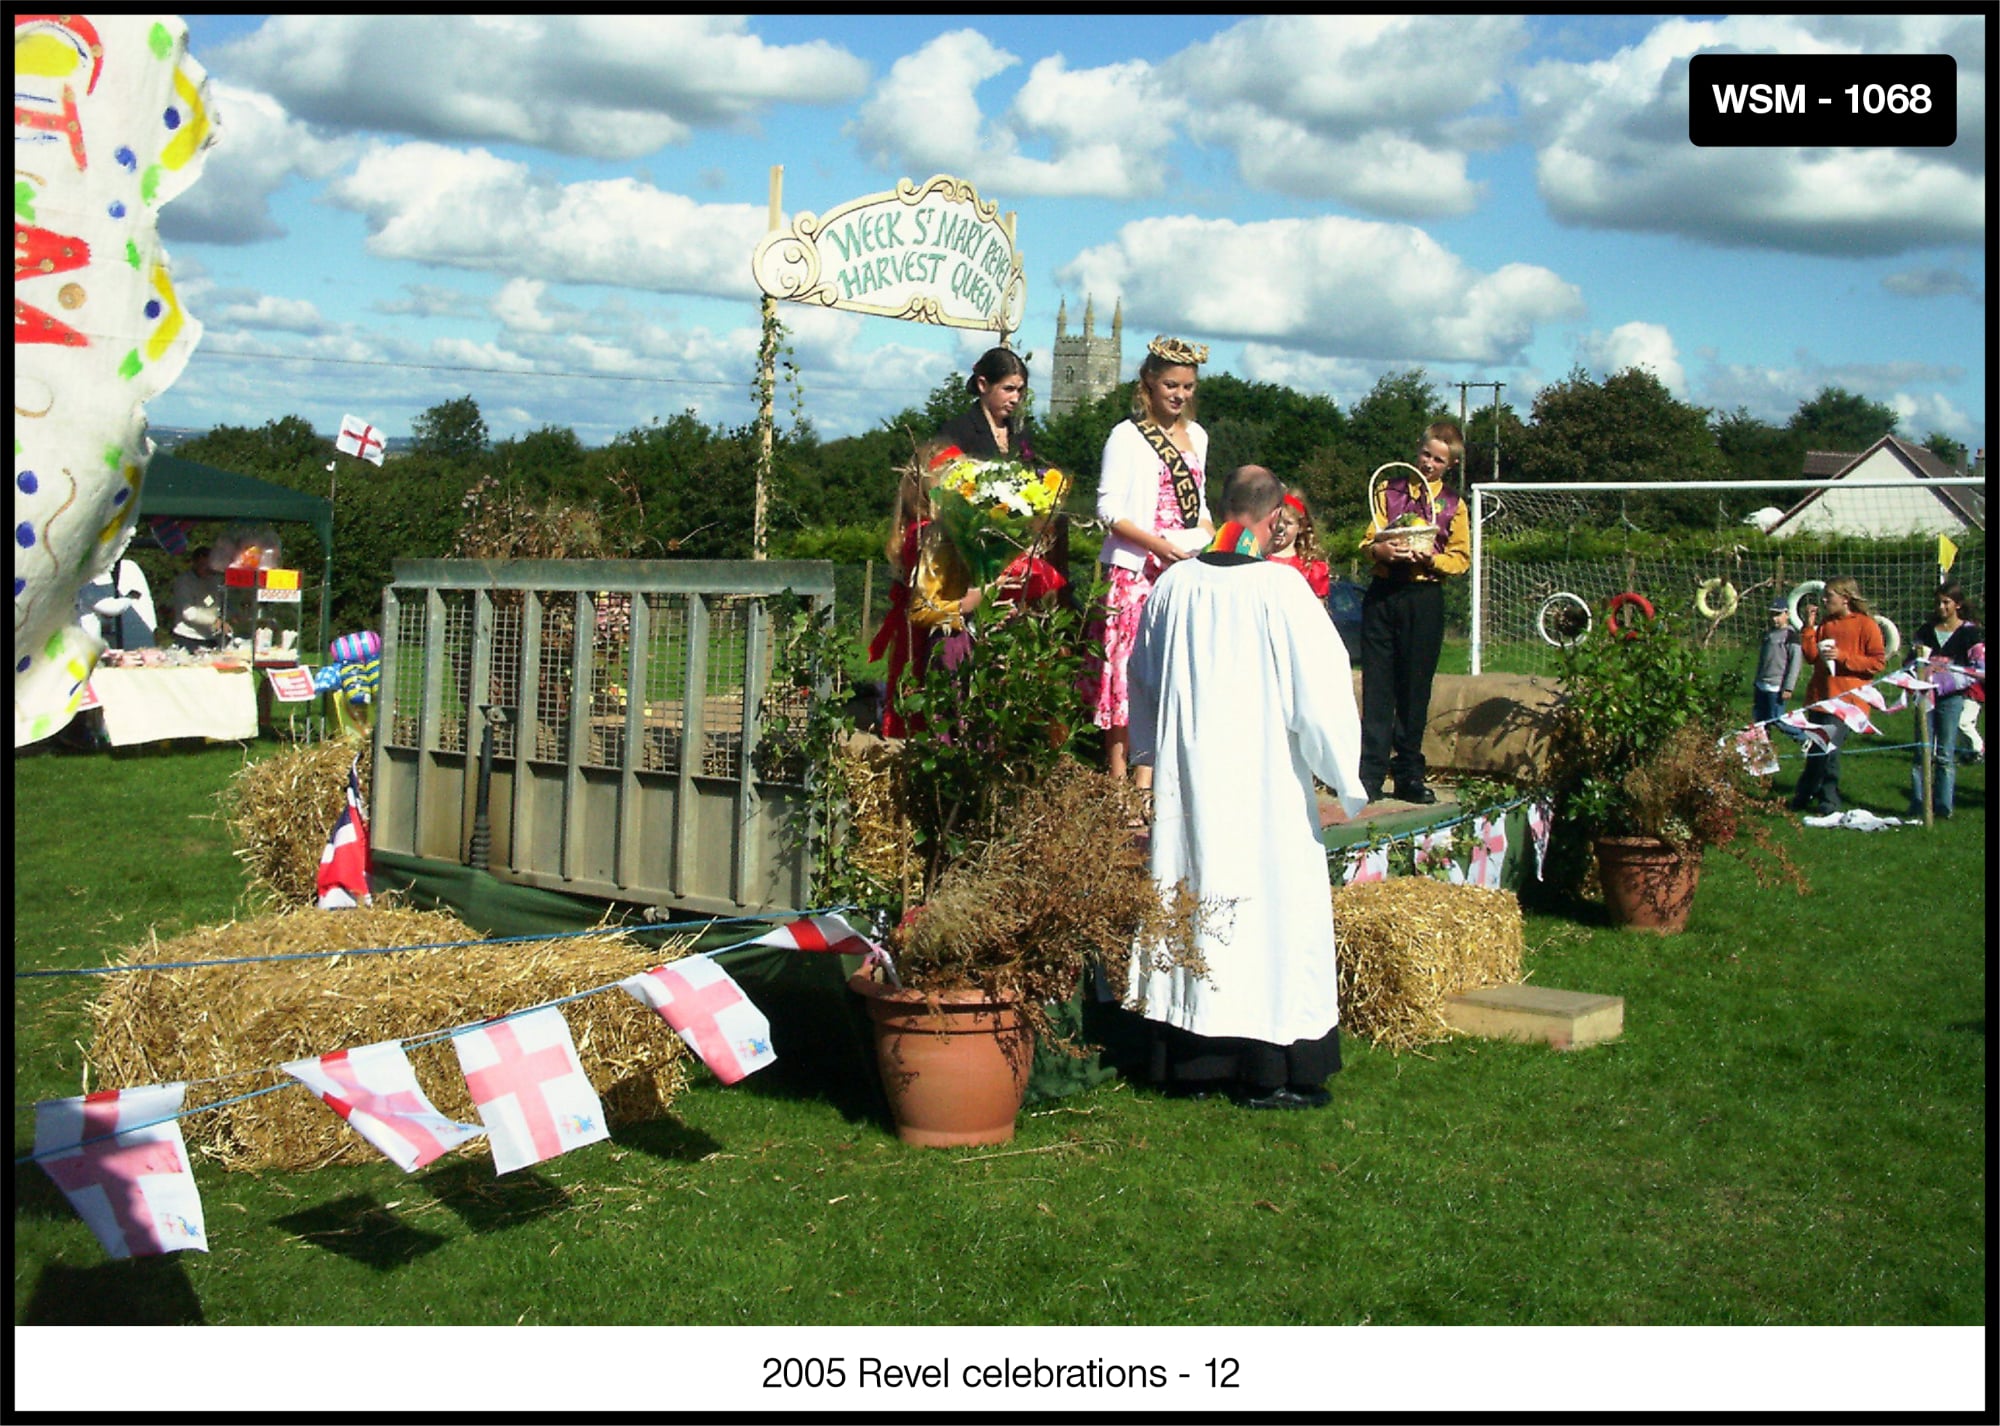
(1642, 773)
(1027, 872)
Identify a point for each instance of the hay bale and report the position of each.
(1410, 943)
(279, 809)
(878, 839)
(206, 1023)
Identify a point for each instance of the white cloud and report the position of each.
(456, 351)
(258, 150)
(427, 203)
(1772, 394)
(424, 300)
(1931, 282)
(1640, 344)
(1612, 149)
(1920, 413)
(601, 86)
(1106, 127)
(1333, 286)
(277, 314)
(1343, 107)
(1344, 379)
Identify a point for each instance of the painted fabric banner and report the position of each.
(531, 1091)
(375, 1090)
(111, 119)
(134, 1189)
(709, 1011)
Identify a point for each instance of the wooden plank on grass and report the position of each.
(1567, 1019)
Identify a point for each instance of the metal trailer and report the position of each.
(625, 701)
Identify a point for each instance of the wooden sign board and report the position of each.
(935, 253)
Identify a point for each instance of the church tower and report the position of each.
(1086, 365)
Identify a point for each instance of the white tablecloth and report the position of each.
(144, 705)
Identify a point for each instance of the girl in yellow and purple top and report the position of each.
(1151, 498)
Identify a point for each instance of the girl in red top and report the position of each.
(894, 638)
(1845, 644)
(1294, 542)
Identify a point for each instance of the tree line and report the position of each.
(682, 488)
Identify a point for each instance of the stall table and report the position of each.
(146, 705)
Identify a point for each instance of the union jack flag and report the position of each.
(343, 866)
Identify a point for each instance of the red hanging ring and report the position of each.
(1627, 600)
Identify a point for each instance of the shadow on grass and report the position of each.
(486, 1204)
(667, 1138)
(360, 1228)
(35, 1193)
(129, 1292)
(825, 1051)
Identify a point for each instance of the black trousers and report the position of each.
(1186, 1060)
(1402, 635)
(1818, 787)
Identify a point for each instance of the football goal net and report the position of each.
(1555, 563)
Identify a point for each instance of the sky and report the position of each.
(555, 214)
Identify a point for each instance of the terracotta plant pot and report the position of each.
(954, 1075)
(1647, 885)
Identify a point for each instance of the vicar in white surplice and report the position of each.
(1241, 695)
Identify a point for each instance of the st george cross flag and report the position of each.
(1753, 745)
(530, 1089)
(376, 1091)
(343, 866)
(358, 438)
(1366, 866)
(1489, 852)
(1847, 711)
(1434, 849)
(828, 933)
(709, 1010)
(135, 1191)
(1541, 817)
(1811, 733)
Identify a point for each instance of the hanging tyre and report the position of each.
(1627, 600)
(1716, 599)
(1811, 586)
(1563, 619)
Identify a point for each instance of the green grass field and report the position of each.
(1792, 1130)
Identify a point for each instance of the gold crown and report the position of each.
(1180, 353)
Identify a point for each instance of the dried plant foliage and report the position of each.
(278, 811)
(1693, 792)
(217, 1023)
(1062, 886)
(1408, 944)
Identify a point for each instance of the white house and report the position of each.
(1922, 508)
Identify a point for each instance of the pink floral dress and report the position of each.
(1103, 683)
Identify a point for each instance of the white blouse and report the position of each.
(1128, 488)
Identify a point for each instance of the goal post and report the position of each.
(1549, 560)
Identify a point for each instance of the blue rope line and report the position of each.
(427, 945)
(409, 1043)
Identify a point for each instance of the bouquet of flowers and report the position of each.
(992, 509)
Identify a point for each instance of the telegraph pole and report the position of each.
(1463, 388)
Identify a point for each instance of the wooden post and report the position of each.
(767, 382)
(1926, 701)
(867, 598)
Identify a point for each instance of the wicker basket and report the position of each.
(1417, 539)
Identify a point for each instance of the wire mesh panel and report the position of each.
(405, 675)
(456, 653)
(553, 659)
(666, 690)
(505, 680)
(722, 701)
(638, 694)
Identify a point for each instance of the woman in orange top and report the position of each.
(1845, 644)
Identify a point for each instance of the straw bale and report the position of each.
(279, 810)
(1410, 943)
(878, 838)
(205, 1022)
